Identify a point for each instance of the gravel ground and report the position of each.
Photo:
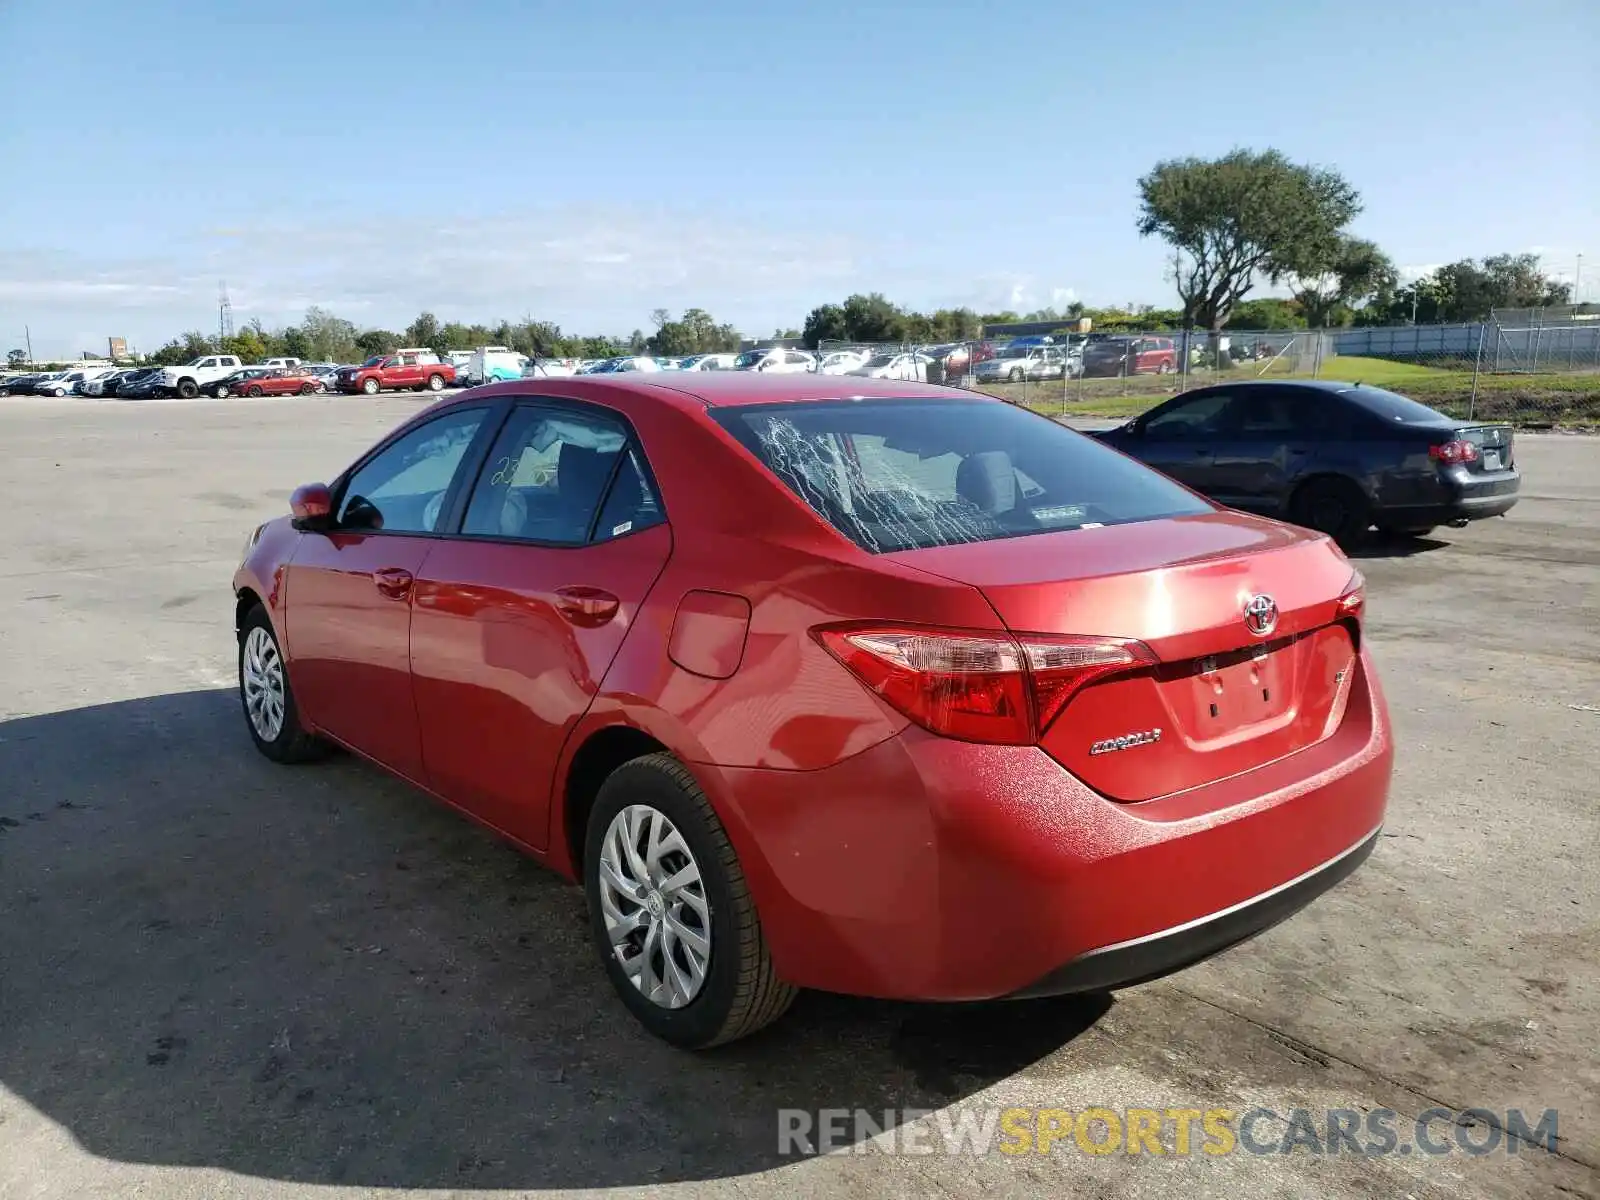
(219, 977)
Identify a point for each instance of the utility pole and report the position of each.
(1577, 281)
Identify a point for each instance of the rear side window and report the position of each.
(554, 475)
(906, 474)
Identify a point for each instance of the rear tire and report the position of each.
(436, 383)
(1015, 376)
(738, 992)
(270, 712)
(188, 389)
(1334, 506)
(253, 392)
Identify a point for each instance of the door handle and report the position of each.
(393, 582)
(586, 607)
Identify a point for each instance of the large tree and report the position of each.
(1356, 272)
(423, 333)
(1240, 218)
(370, 342)
(825, 323)
(696, 332)
(328, 338)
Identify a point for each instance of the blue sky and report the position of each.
(590, 163)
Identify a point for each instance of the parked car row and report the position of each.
(1026, 359)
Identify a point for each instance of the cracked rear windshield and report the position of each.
(907, 474)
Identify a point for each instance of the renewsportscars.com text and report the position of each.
(1360, 1133)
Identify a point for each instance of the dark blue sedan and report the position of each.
(1332, 456)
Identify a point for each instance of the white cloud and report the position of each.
(1413, 272)
(590, 270)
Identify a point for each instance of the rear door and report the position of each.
(1281, 435)
(521, 610)
(409, 372)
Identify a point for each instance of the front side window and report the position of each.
(903, 474)
(401, 489)
(1201, 416)
(548, 474)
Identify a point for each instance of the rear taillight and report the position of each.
(977, 687)
(1453, 452)
(1353, 601)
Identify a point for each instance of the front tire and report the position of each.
(1016, 375)
(223, 391)
(371, 387)
(671, 913)
(270, 712)
(307, 388)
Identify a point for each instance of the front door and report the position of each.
(350, 592)
(518, 617)
(1180, 438)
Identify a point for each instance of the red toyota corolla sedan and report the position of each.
(829, 682)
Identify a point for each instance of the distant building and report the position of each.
(117, 348)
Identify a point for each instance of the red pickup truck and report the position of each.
(404, 370)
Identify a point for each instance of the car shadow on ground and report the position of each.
(317, 974)
(1381, 545)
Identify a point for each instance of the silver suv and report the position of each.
(1013, 364)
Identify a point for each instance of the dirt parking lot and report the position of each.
(222, 977)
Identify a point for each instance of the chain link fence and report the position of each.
(1536, 373)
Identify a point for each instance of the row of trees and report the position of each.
(1250, 217)
(324, 337)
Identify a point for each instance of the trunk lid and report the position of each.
(1494, 443)
(1224, 699)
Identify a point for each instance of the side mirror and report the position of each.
(311, 506)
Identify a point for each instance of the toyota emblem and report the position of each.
(1261, 615)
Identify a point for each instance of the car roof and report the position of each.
(714, 389)
(1318, 385)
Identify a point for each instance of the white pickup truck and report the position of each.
(187, 380)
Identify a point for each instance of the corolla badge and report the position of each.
(1127, 741)
(1261, 615)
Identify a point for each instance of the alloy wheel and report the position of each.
(654, 903)
(261, 677)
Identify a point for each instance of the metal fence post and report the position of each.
(1477, 362)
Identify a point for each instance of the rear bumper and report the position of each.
(1142, 959)
(929, 869)
(1461, 497)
